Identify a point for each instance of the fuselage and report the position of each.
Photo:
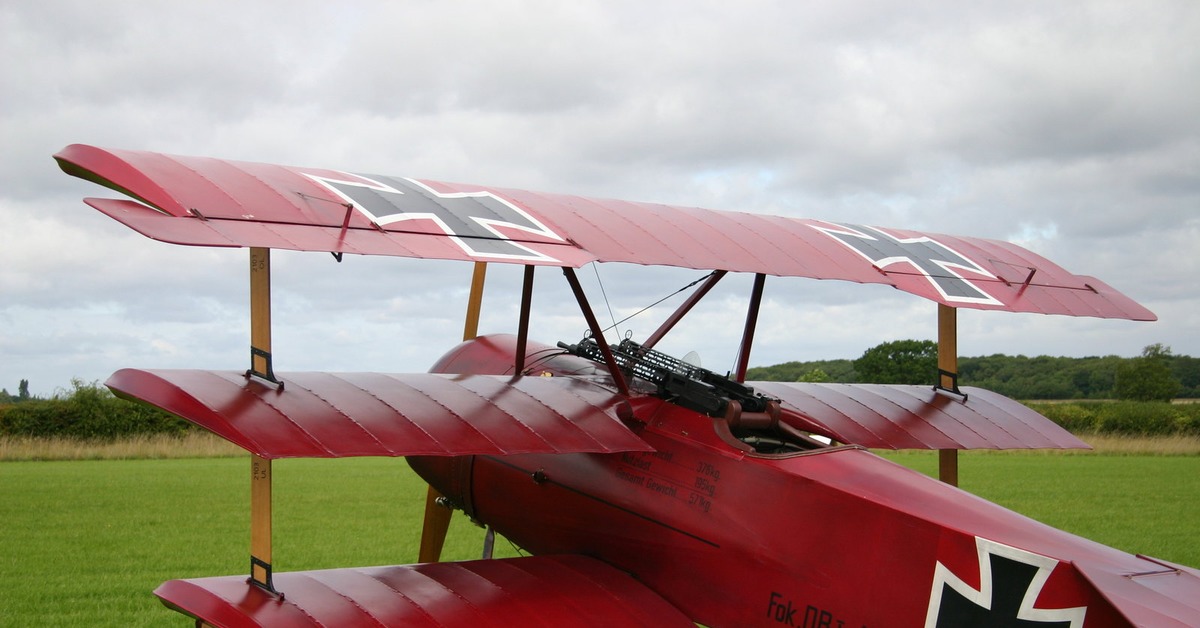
(816, 536)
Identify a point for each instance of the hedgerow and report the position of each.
(87, 411)
(1129, 418)
(90, 411)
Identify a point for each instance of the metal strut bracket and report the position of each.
(267, 373)
(944, 375)
(258, 565)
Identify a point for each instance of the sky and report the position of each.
(1071, 128)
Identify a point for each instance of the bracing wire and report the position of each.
(615, 323)
(606, 303)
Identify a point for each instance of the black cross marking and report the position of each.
(469, 218)
(1010, 582)
(928, 256)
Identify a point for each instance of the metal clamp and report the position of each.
(953, 389)
(267, 583)
(268, 374)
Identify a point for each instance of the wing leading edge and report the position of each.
(529, 591)
(334, 415)
(211, 202)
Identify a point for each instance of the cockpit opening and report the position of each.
(747, 420)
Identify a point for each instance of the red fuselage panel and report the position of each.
(834, 536)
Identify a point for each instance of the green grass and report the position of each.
(85, 542)
(1141, 504)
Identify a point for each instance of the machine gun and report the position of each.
(677, 381)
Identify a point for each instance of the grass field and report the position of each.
(1139, 503)
(85, 542)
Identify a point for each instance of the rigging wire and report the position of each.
(608, 305)
(615, 323)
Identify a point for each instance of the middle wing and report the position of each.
(917, 417)
(334, 415)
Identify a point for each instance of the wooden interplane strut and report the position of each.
(948, 380)
(436, 523)
(260, 468)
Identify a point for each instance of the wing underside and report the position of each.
(333, 415)
(530, 591)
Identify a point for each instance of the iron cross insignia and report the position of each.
(939, 263)
(470, 219)
(1010, 581)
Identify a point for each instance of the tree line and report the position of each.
(86, 411)
(1157, 374)
(22, 393)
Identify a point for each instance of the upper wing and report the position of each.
(212, 202)
(530, 591)
(917, 417)
(334, 415)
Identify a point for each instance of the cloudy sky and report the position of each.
(1072, 128)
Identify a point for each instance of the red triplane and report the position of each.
(649, 491)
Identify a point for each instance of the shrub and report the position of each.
(1077, 418)
(1132, 418)
(1189, 419)
(88, 411)
(1143, 419)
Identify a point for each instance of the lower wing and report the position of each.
(530, 591)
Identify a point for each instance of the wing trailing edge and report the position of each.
(917, 417)
(211, 202)
(328, 415)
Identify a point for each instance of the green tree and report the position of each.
(815, 376)
(1187, 369)
(1147, 378)
(899, 362)
(836, 370)
(23, 390)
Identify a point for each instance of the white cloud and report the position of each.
(1068, 127)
